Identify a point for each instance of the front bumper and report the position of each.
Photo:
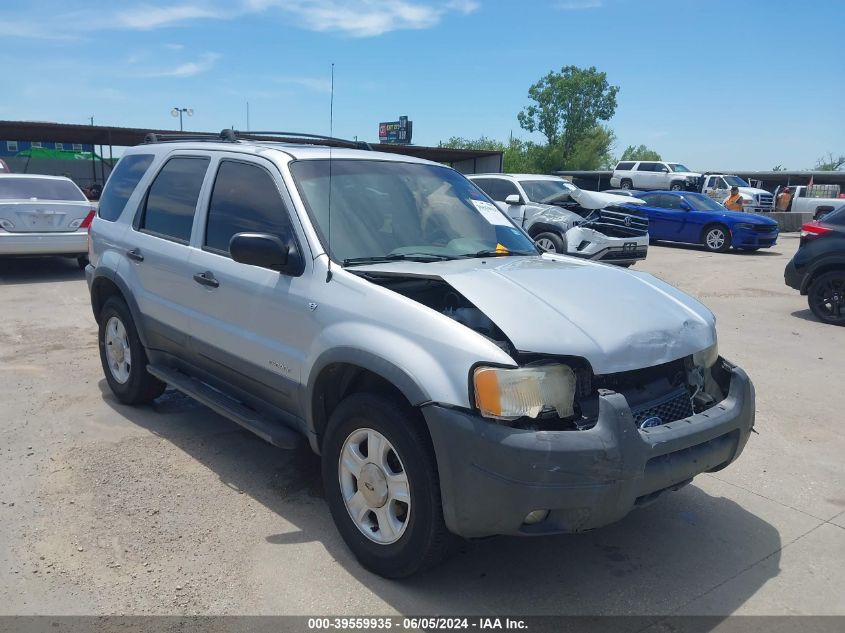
(591, 244)
(492, 476)
(69, 243)
(752, 239)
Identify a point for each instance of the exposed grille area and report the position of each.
(623, 254)
(617, 224)
(766, 200)
(765, 228)
(674, 406)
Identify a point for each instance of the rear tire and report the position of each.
(826, 297)
(550, 242)
(82, 261)
(390, 537)
(716, 238)
(626, 184)
(123, 356)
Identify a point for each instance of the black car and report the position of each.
(818, 267)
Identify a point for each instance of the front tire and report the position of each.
(550, 242)
(826, 297)
(716, 238)
(382, 486)
(123, 356)
(676, 186)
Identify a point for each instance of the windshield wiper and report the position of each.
(411, 257)
(495, 253)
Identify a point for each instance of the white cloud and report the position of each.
(188, 69)
(577, 5)
(146, 17)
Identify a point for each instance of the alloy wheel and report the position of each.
(118, 354)
(546, 244)
(374, 486)
(715, 239)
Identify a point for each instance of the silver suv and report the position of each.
(650, 175)
(454, 380)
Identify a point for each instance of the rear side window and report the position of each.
(122, 182)
(245, 199)
(39, 189)
(647, 167)
(652, 199)
(624, 166)
(172, 198)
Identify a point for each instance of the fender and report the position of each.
(834, 260)
(107, 272)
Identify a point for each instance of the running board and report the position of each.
(274, 432)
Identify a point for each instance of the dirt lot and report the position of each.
(107, 509)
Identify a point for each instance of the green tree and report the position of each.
(568, 106)
(830, 162)
(483, 143)
(640, 152)
(778, 167)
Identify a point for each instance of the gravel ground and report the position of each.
(170, 509)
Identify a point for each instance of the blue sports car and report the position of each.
(693, 218)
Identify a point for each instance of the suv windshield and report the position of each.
(735, 181)
(676, 167)
(704, 203)
(543, 190)
(394, 210)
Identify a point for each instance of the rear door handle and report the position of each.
(206, 279)
(135, 254)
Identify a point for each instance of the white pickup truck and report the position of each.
(718, 187)
(815, 199)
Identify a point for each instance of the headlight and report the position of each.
(707, 357)
(509, 394)
(744, 226)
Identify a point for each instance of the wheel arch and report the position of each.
(107, 284)
(340, 372)
(825, 266)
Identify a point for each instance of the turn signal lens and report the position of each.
(509, 394)
(814, 229)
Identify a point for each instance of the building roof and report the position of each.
(127, 137)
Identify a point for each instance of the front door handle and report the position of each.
(135, 254)
(206, 279)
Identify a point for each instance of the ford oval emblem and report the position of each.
(651, 422)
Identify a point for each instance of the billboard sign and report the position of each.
(396, 131)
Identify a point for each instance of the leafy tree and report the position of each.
(830, 162)
(483, 143)
(568, 106)
(640, 152)
(778, 167)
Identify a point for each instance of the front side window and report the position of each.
(172, 198)
(391, 209)
(677, 167)
(545, 191)
(245, 199)
(121, 183)
(39, 189)
(671, 202)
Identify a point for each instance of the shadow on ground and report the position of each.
(763, 252)
(655, 561)
(34, 270)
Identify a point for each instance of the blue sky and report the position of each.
(718, 84)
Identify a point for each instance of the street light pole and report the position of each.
(179, 111)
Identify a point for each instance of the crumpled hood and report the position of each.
(618, 320)
(599, 200)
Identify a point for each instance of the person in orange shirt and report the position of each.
(784, 198)
(734, 201)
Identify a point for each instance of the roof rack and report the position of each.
(229, 135)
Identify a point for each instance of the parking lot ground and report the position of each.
(171, 509)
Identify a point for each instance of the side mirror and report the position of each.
(266, 251)
(512, 199)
